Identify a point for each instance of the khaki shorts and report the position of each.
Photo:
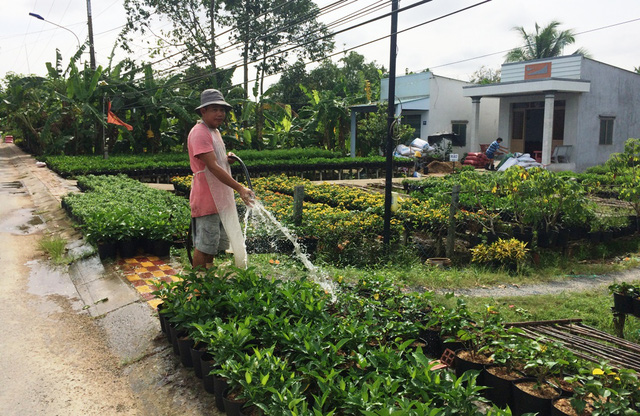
(209, 236)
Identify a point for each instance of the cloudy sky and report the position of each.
(453, 46)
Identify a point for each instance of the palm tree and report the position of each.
(546, 42)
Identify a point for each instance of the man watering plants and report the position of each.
(215, 223)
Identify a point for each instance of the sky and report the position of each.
(453, 46)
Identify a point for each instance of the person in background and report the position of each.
(494, 149)
(213, 208)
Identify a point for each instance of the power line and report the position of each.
(195, 78)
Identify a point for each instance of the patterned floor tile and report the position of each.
(144, 273)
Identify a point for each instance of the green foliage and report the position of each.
(288, 346)
(175, 163)
(118, 208)
(56, 248)
(625, 169)
(372, 129)
(505, 253)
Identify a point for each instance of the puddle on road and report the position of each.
(22, 222)
(13, 188)
(46, 280)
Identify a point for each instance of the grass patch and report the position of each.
(56, 248)
(593, 307)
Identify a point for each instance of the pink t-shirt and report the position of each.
(200, 142)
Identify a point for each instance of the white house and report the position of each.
(435, 105)
(571, 112)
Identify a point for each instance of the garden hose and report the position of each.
(189, 241)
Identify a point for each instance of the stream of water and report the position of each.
(258, 213)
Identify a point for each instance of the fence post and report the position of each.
(298, 198)
(451, 234)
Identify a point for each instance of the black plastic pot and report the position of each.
(196, 352)
(523, 402)
(233, 407)
(175, 334)
(206, 365)
(184, 348)
(463, 365)
(107, 250)
(127, 248)
(622, 303)
(636, 306)
(220, 386)
(433, 344)
(498, 388)
(160, 248)
(557, 412)
(162, 318)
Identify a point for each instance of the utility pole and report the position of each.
(390, 120)
(92, 52)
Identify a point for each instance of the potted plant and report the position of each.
(623, 295)
(535, 394)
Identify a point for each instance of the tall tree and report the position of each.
(351, 78)
(193, 28)
(270, 31)
(546, 42)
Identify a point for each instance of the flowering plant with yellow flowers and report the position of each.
(606, 391)
(507, 253)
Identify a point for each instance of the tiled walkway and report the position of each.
(144, 272)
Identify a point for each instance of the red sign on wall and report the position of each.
(537, 71)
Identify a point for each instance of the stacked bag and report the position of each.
(476, 159)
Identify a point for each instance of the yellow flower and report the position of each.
(376, 296)
(597, 372)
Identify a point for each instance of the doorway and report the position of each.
(528, 125)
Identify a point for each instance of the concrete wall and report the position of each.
(444, 104)
(614, 93)
(448, 104)
(407, 86)
(565, 67)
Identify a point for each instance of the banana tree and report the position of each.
(327, 119)
(84, 96)
(22, 109)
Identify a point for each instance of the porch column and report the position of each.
(547, 132)
(474, 144)
(353, 133)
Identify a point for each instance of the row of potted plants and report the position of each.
(289, 348)
(273, 161)
(119, 212)
(518, 202)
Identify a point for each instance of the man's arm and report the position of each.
(223, 176)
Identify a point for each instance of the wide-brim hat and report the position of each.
(211, 96)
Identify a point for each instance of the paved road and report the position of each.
(75, 340)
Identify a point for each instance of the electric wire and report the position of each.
(192, 79)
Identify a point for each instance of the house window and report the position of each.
(606, 130)
(414, 121)
(459, 128)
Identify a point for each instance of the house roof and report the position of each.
(420, 103)
(505, 89)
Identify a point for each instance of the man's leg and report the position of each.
(206, 239)
(201, 259)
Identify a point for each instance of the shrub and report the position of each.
(510, 253)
